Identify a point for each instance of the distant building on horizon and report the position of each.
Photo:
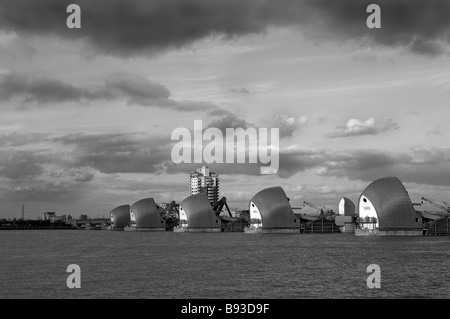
(204, 181)
(48, 215)
(51, 216)
(54, 219)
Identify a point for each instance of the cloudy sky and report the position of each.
(87, 114)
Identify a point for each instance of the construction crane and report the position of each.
(171, 215)
(323, 210)
(316, 207)
(170, 211)
(219, 206)
(444, 207)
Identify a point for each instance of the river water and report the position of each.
(33, 264)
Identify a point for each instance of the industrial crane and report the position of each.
(323, 210)
(445, 208)
(170, 214)
(170, 211)
(219, 206)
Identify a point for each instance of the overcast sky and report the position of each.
(87, 114)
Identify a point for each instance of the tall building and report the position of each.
(204, 181)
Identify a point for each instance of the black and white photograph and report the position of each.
(205, 151)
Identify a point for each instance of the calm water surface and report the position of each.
(226, 265)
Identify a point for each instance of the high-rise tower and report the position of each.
(204, 181)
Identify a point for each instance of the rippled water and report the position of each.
(226, 265)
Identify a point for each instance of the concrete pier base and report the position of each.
(204, 230)
(280, 230)
(150, 229)
(377, 232)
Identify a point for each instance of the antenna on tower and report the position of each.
(23, 212)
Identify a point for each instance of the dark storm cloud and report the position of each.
(138, 89)
(21, 164)
(40, 89)
(423, 26)
(139, 153)
(48, 173)
(294, 161)
(135, 27)
(355, 127)
(117, 153)
(424, 166)
(132, 27)
(135, 89)
(110, 141)
(41, 190)
(200, 106)
(43, 90)
(19, 139)
(421, 166)
(136, 153)
(427, 47)
(334, 163)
